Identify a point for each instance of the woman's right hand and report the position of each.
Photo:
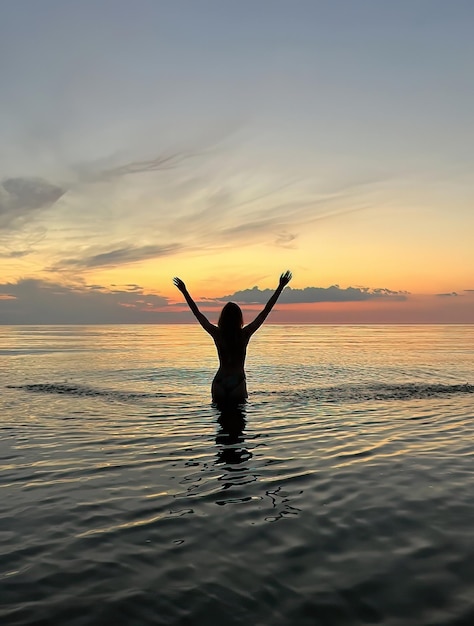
(179, 283)
(285, 278)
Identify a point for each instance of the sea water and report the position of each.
(341, 493)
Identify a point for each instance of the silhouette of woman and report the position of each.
(231, 338)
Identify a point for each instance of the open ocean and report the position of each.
(342, 493)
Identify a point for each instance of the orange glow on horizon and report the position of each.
(413, 310)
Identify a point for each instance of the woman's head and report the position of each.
(231, 317)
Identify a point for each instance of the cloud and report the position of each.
(32, 301)
(314, 294)
(156, 164)
(95, 205)
(236, 213)
(285, 239)
(14, 254)
(109, 214)
(129, 286)
(17, 244)
(447, 295)
(22, 195)
(117, 256)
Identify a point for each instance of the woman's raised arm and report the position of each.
(201, 318)
(258, 321)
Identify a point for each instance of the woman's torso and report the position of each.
(231, 350)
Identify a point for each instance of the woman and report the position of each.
(231, 338)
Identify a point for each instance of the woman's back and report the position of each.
(231, 349)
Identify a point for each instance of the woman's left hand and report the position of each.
(285, 278)
(179, 283)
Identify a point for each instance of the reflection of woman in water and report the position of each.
(230, 439)
(231, 338)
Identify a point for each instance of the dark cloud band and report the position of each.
(314, 294)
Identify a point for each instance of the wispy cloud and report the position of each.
(109, 214)
(157, 164)
(34, 211)
(23, 194)
(116, 257)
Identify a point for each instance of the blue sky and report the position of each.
(85, 80)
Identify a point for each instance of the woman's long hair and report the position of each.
(230, 323)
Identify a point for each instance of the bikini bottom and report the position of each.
(230, 382)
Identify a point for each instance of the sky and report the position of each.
(224, 142)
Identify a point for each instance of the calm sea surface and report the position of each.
(341, 493)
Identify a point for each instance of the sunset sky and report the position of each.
(224, 142)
